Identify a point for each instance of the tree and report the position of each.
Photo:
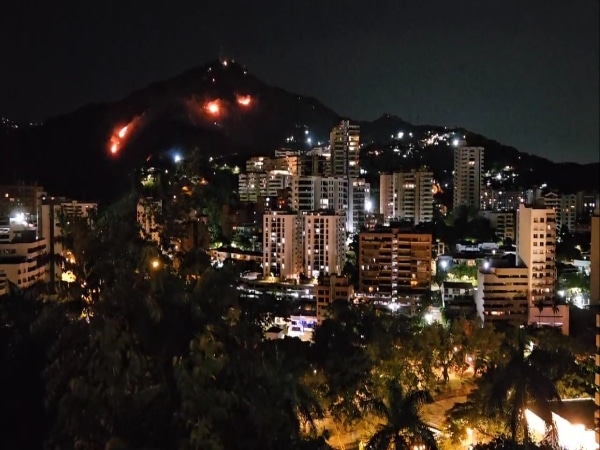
(522, 379)
(403, 425)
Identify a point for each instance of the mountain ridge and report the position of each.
(72, 152)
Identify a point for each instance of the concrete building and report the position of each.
(359, 200)
(344, 141)
(468, 183)
(565, 207)
(309, 193)
(407, 196)
(324, 241)
(393, 263)
(587, 202)
(254, 185)
(503, 292)
(331, 289)
(536, 249)
(282, 244)
(595, 260)
(21, 199)
(23, 255)
(503, 223)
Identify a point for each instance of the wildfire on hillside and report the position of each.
(244, 100)
(120, 135)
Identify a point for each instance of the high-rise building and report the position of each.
(536, 249)
(22, 199)
(503, 292)
(344, 141)
(393, 263)
(148, 212)
(254, 185)
(407, 196)
(468, 183)
(595, 260)
(282, 244)
(502, 222)
(309, 193)
(587, 202)
(324, 239)
(565, 206)
(358, 204)
(330, 289)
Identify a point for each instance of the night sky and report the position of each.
(521, 72)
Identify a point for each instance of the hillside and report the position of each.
(221, 109)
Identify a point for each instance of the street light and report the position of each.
(155, 263)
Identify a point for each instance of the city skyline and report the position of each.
(525, 75)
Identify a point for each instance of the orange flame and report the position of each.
(213, 107)
(244, 100)
(120, 134)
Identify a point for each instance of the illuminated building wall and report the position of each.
(324, 239)
(407, 196)
(595, 260)
(282, 244)
(392, 262)
(503, 294)
(468, 183)
(536, 249)
(344, 141)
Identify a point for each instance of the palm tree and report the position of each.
(520, 381)
(404, 426)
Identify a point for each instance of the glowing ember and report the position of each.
(114, 148)
(244, 100)
(213, 107)
(123, 131)
(120, 135)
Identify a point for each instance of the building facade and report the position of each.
(536, 249)
(282, 244)
(468, 183)
(344, 142)
(503, 294)
(324, 242)
(393, 263)
(407, 196)
(331, 289)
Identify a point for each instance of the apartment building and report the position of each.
(282, 244)
(309, 193)
(502, 293)
(407, 196)
(394, 263)
(344, 142)
(324, 239)
(536, 249)
(468, 183)
(330, 289)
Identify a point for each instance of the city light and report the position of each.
(177, 158)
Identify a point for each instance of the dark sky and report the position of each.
(523, 72)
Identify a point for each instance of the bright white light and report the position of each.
(308, 140)
(486, 265)
(429, 318)
(305, 131)
(455, 142)
(368, 205)
(444, 264)
(177, 158)
(400, 134)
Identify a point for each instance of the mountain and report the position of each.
(219, 108)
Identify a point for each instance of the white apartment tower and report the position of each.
(407, 196)
(324, 242)
(536, 249)
(344, 141)
(468, 167)
(282, 244)
(309, 193)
